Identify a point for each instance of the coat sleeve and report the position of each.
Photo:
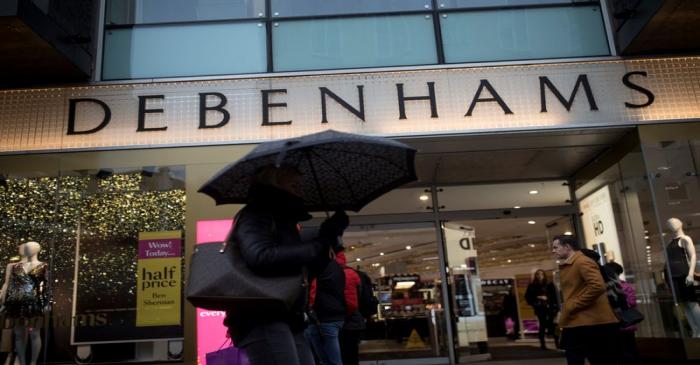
(261, 251)
(352, 286)
(530, 295)
(593, 286)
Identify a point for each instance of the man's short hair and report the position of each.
(570, 241)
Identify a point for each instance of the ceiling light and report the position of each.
(534, 192)
(568, 233)
(531, 222)
(516, 207)
(493, 259)
(646, 237)
(648, 247)
(352, 247)
(423, 197)
(463, 266)
(376, 264)
(509, 261)
(408, 247)
(381, 254)
(404, 285)
(532, 245)
(430, 258)
(358, 259)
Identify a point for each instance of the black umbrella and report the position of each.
(340, 170)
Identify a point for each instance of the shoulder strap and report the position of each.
(231, 232)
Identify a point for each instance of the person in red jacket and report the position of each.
(354, 322)
(333, 298)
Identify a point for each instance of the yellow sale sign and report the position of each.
(159, 279)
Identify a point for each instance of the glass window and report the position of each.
(107, 235)
(618, 220)
(455, 4)
(520, 34)
(671, 154)
(402, 260)
(353, 42)
(286, 8)
(167, 11)
(185, 50)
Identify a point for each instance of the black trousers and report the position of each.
(546, 321)
(350, 346)
(275, 344)
(628, 344)
(599, 344)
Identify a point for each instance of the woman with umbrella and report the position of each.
(292, 177)
(267, 234)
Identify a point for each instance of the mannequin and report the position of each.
(682, 259)
(25, 298)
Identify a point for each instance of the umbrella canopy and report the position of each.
(339, 170)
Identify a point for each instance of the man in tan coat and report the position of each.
(589, 325)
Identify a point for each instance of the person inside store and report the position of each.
(328, 310)
(271, 244)
(542, 296)
(354, 325)
(588, 322)
(629, 354)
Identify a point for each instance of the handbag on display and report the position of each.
(220, 279)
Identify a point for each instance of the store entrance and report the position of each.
(492, 263)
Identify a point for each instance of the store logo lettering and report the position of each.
(216, 102)
(598, 226)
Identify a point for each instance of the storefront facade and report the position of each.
(95, 173)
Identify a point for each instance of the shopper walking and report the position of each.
(270, 243)
(328, 312)
(541, 295)
(354, 326)
(629, 354)
(589, 325)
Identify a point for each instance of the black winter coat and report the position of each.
(535, 289)
(270, 243)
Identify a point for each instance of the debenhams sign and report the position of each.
(393, 103)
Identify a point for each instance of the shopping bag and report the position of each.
(228, 356)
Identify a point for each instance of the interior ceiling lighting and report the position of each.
(376, 264)
(532, 245)
(534, 192)
(358, 259)
(646, 237)
(516, 207)
(423, 197)
(430, 258)
(381, 254)
(404, 285)
(531, 222)
(509, 261)
(408, 247)
(568, 233)
(493, 259)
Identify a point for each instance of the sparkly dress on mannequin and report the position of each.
(26, 298)
(681, 260)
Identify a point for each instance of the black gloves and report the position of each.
(334, 226)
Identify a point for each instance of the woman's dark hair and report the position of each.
(615, 268)
(544, 277)
(570, 241)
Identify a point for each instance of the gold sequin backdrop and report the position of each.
(57, 211)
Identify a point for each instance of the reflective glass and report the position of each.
(353, 42)
(454, 4)
(286, 8)
(402, 261)
(519, 34)
(186, 50)
(166, 11)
